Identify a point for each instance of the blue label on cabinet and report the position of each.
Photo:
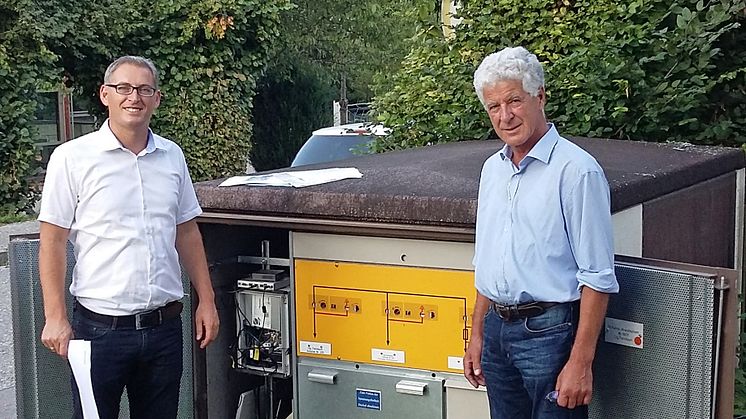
(369, 399)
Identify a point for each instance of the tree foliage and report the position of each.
(213, 63)
(209, 52)
(647, 70)
(25, 64)
(213, 56)
(357, 38)
(321, 42)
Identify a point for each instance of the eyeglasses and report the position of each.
(126, 89)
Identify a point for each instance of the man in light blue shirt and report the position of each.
(544, 259)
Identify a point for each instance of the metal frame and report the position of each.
(727, 328)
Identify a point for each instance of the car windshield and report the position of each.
(325, 148)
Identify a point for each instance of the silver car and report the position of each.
(338, 143)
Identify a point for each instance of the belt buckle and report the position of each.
(504, 312)
(140, 317)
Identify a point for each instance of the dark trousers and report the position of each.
(147, 362)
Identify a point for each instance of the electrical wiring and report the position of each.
(260, 345)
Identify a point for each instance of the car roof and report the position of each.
(364, 128)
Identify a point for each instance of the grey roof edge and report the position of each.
(445, 193)
(299, 203)
(630, 191)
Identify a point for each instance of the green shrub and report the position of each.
(291, 102)
(740, 384)
(647, 70)
(14, 217)
(211, 53)
(25, 64)
(321, 42)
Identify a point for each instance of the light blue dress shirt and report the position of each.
(544, 227)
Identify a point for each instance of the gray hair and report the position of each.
(134, 60)
(509, 64)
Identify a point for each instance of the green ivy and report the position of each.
(25, 64)
(645, 70)
(209, 53)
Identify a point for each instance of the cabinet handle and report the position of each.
(323, 376)
(415, 388)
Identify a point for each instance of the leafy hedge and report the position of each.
(209, 53)
(647, 70)
(24, 63)
(211, 62)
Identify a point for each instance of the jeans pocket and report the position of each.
(86, 330)
(549, 321)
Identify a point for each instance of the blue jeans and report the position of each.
(147, 362)
(521, 360)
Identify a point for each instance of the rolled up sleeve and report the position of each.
(589, 229)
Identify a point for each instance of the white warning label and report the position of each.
(387, 355)
(622, 332)
(316, 348)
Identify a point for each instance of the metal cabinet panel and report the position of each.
(340, 390)
(661, 363)
(401, 316)
(43, 379)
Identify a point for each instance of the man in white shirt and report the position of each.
(123, 197)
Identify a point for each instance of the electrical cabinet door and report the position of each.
(341, 390)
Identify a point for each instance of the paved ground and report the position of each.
(7, 361)
(7, 369)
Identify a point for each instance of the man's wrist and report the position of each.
(207, 298)
(55, 312)
(56, 317)
(582, 357)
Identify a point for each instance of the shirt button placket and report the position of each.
(147, 230)
(509, 228)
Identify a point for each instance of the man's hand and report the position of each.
(575, 381)
(473, 355)
(56, 335)
(473, 362)
(206, 323)
(574, 384)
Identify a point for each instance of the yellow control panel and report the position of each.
(402, 316)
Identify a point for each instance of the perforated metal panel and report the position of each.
(42, 378)
(671, 376)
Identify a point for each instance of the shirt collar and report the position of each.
(542, 150)
(110, 142)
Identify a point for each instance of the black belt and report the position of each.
(137, 321)
(521, 311)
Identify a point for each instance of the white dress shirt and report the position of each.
(122, 210)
